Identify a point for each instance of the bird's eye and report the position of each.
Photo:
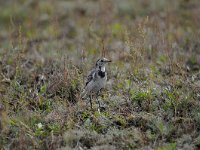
(101, 60)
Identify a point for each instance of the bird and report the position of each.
(96, 80)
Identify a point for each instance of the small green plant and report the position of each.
(117, 29)
(141, 95)
(161, 127)
(39, 129)
(171, 99)
(170, 146)
(120, 121)
(89, 124)
(197, 117)
(54, 127)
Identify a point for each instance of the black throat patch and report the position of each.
(101, 74)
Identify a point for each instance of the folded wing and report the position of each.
(90, 77)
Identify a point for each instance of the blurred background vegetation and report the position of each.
(152, 98)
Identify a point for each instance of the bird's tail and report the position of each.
(83, 94)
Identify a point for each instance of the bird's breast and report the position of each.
(101, 74)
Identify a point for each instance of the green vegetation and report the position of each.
(152, 99)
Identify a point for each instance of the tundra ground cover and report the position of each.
(152, 99)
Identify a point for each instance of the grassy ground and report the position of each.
(152, 98)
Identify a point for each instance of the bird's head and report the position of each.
(102, 62)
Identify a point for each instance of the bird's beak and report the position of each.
(107, 60)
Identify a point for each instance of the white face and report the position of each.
(103, 68)
(101, 62)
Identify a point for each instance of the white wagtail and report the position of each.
(96, 80)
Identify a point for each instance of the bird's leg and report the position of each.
(97, 95)
(90, 101)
